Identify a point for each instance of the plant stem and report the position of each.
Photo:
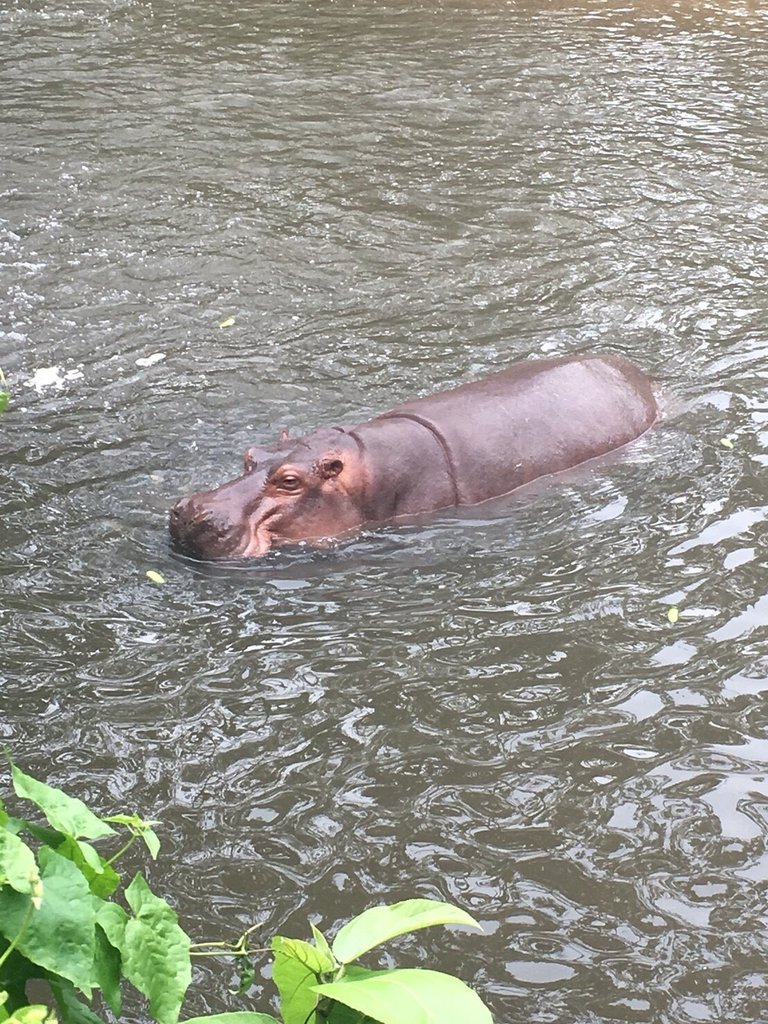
(228, 952)
(121, 851)
(16, 939)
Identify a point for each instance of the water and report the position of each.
(493, 707)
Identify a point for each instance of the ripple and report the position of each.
(490, 706)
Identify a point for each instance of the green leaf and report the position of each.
(154, 949)
(106, 970)
(151, 842)
(314, 959)
(4, 397)
(35, 1014)
(338, 1013)
(65, 813)
(379, 924)
(322, 944)
(236, 1017)
(71, 1009)
(297, 967)
(131, 821)
(155, 576)
(43, 834)
(139, 827)
(102, 878)
(90, 856)
(408, 997)
(113, 920)
(58, 936)
(246, 976)
(18, 867)
(15, 972)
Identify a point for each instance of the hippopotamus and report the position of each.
(459, 447)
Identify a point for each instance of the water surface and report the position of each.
(489, 708)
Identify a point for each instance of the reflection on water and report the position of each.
(489, 707)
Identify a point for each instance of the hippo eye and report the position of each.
(289, 483)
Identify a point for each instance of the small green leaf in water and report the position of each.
(673, 614)
(4, 396)
(156, 577)
(726, 442)
(228, 322)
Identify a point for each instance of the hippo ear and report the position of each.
(331, 467)
(251, 458)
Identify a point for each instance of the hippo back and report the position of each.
(533, 419)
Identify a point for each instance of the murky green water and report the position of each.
(490, 708)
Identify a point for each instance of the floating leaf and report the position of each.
(726, 442)
(156, 577)
(673, 614)
(408, 997)
(228, 322)
(4, 399)
(378, 924)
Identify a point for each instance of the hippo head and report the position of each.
(300, 489)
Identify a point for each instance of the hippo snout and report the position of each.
(200, 531)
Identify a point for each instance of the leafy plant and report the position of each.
(60, 922)
(318, 982)
(4, 393)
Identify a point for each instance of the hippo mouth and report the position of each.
(199, 533)
(260, 538)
